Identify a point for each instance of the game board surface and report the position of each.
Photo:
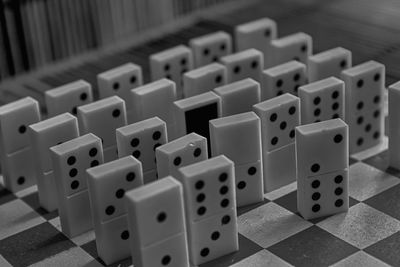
(272, 233)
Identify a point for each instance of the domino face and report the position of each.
(328, 63)
(141, 140)
(94, 116)
(279, 117)
(322, 100)
(245, 64)
(394, 125)
(296, 46)
(171, 64)
(15, 118)
(238, 97)
(312, 143)
(157, 223)
(180, 152)
(154, 99)
(364, 104)
(284, 78)
(193, 114)
(204, 79)
(68, 98)
(256, 34)
(209, 48)
(119, 81)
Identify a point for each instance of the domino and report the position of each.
(204, 79)
(180, 152)
(141, 140)
(365, 85)
(120, 81)
(44, 135)
(107, 184)
(238, 137)
(95, 116)
(297, 46)
(171, 64)
(210, 47)
(279, 116)
(68, 98)
(328, 63)
(156, 219)
(256, 34)
(238, 97)
(15, 148)
(394, 126)
(284, 78)
(70, 161)
(322, 178)
(245, 64)
(210, 208)
(155, 99)
(193, 114)
(322, 100)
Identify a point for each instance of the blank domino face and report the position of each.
(119, 81)
(256, 34)
(193, 114)
(208, 188)
(180, 152)
(394, 125)
(154, 99)
(141, 140)
(279, 117)
(204, 79)
(322, 100)
(324, 194)
(15, 118)
(296, 46)
(171, 64)
(313, 141)
(94, 117)
(285, 78)
(328, 63)
(209, 48)
(238, 97)
(364, 104)
(68, 98)
(108, 183)
(245, 64)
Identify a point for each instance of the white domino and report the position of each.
(70, 161)
(297, 46)
(238, 137)
(394, 125)
(245, 64)
(156, 219)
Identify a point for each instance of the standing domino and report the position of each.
(322, 100)
(156, 220)
(15, 148)
(210, 207)
(203, 79)
(322, 178)
(107, 184)
(328, 63)
(256, 34)
(180, 152)
(296, 46)
(239, 138)
(245, 64)
(365, 85)
(44, 135)
(238, 97)
(279, 117)
(285, 78)
(68, 98)
(171, 64)
(209, 48)
(394, 126)
(141, 140)
(70, 161)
